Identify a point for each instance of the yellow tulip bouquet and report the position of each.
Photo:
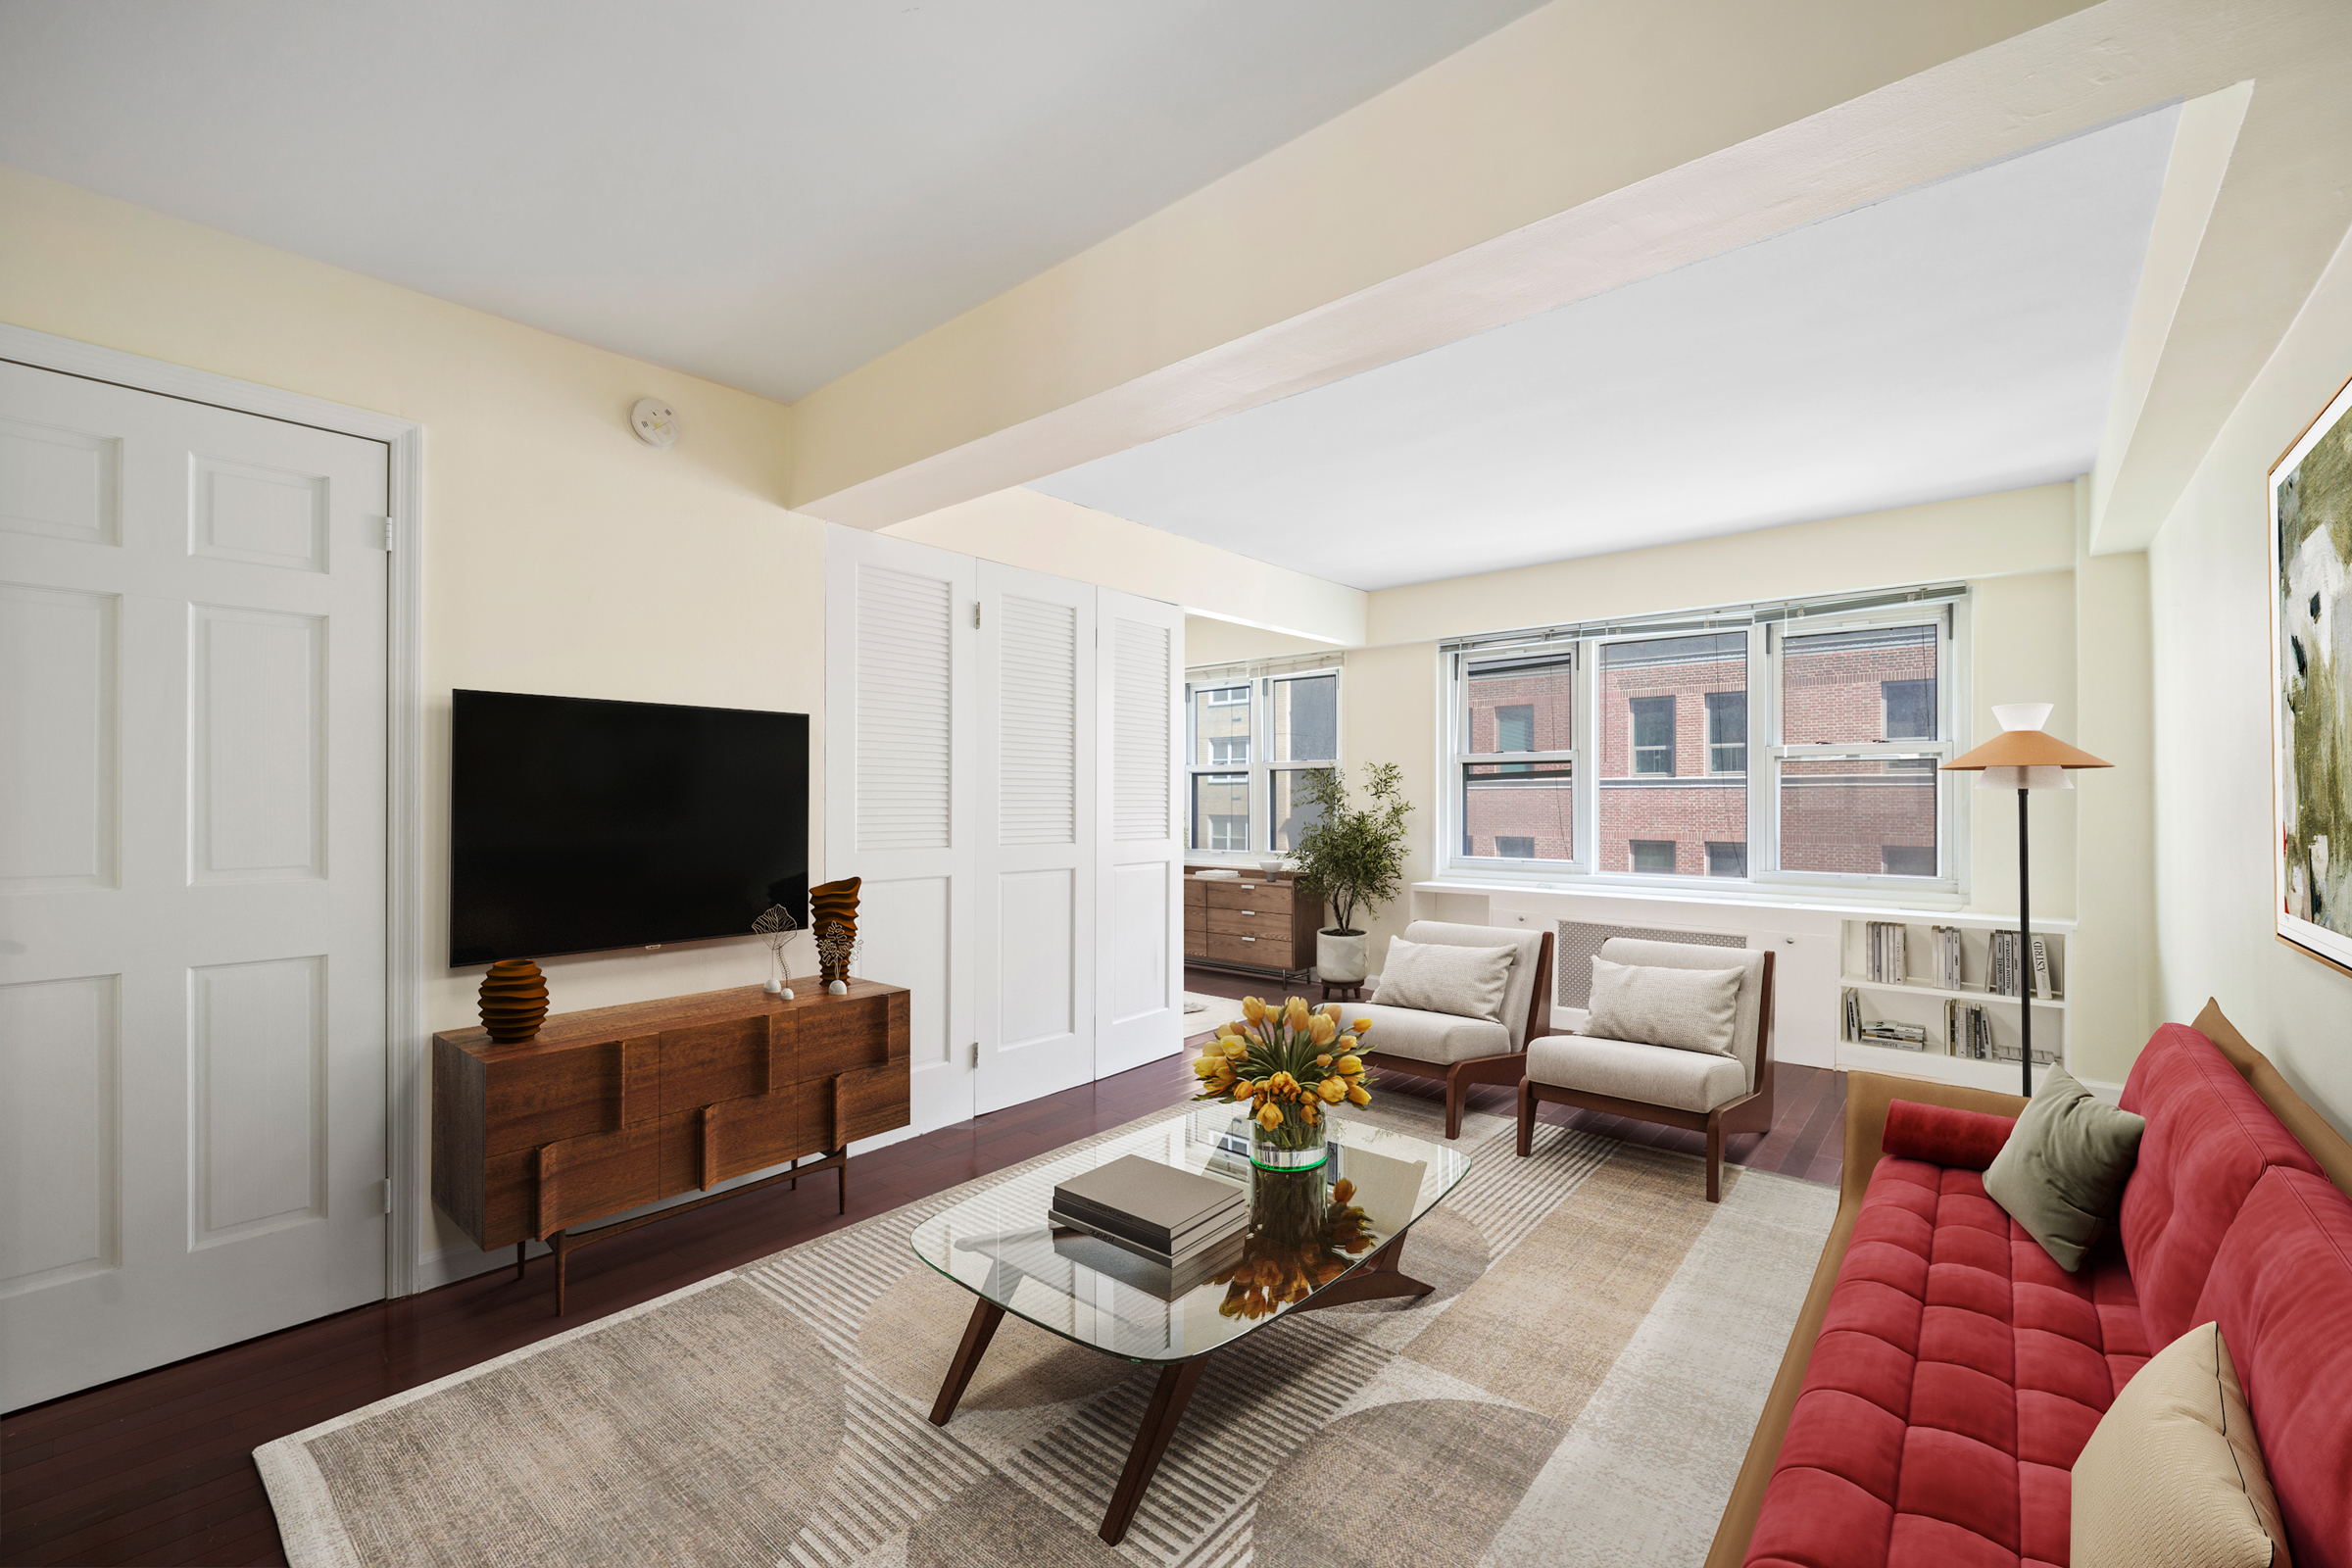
(1287, 1065)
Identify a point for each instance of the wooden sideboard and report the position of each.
(616, 1107)
(1249, 922)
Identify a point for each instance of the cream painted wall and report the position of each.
(1020, 527)
(560, 555)
(2016, 553)
(2209, 593)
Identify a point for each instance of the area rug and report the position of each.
(1579, 1388)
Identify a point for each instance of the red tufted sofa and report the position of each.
(1945, 1372)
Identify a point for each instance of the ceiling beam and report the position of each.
(1284, 274)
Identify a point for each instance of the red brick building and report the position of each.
(1671, 756)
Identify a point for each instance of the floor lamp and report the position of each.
(2024, 758)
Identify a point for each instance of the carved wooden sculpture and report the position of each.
(834, 904)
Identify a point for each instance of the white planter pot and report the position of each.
(1339, 960)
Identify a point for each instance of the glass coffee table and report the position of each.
(1316, 1238)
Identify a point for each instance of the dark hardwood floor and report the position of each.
(158, 1468)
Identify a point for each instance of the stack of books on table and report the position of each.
(1153, 1226)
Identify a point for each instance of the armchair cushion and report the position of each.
(1446, 978)
(1689, 1010)
(1625, 1069)
(1749, 1025)
(1527, 948)
(1439, 1037)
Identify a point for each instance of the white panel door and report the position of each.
(897, 736)
(1034, 940)
(1139, 858)
(192, 1042)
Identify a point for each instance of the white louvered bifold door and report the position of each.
(899, 738)
(1139, 860)
(1034, 935)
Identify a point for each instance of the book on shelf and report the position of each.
(1885, 960)
(1852, 1008)
(1968, 1031)
(1151, 1209)
(2009, 969)
(1945, 954)
(1901, 1036)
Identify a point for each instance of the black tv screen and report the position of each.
(577, 825)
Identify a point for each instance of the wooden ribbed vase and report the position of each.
(834, 904)
(514, 1001)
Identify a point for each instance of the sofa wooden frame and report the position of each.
(1750, 1112)
(1505, 1070)
(1867, 1096)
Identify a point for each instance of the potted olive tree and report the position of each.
(1354, 860)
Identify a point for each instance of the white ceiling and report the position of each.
(1955, 340)
(766, 192)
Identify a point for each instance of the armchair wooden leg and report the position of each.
(1715, 1160)
(1456, 1091)
(1527, 1116)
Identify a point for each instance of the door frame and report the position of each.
(406, 1206)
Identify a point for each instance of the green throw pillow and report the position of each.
(2063, 1166)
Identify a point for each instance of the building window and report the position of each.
(1653, 734)
(1909, 706)
(1857, 708)
(1258, 735)
(1515, 757)
(1791, 741)
(1727, 733)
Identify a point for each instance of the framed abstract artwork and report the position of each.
(2311, 686)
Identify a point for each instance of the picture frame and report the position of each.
(2309, 592)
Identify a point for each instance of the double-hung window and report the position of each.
(1787, 743)
(1515, 757)
(1258, 733)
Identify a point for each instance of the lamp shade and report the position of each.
(2021, 756)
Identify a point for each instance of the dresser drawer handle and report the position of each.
(1249, 939)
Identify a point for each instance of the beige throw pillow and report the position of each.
(1690, 1009)
(2064, 1165)
(1434, 977)
(2172, 1473)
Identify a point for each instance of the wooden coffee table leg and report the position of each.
(1379, 1277)
(986, 1315)
(1166, 1410)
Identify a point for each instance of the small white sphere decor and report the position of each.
(839, 988)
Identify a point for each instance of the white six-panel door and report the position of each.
(899, 707)
(1035, 749)
(1140, 837)
(192, 828)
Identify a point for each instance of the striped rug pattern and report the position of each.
(776, 1415)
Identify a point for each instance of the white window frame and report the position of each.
(1460, 756)
(1261, 677)
(1766, 626)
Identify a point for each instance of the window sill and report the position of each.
(1915, 906)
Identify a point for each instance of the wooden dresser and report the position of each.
(1250, 923)
(616, 1107)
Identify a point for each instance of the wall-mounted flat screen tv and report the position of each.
(578, 825)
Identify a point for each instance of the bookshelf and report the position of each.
(1917, 999)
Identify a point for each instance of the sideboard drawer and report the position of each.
(746, 1135)
(1248, 896)
(588, 1178)
(713, 1061)
(1262, 922)
(1271, 951)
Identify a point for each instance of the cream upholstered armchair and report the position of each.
(1717, 1094)
(1464, 1049)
